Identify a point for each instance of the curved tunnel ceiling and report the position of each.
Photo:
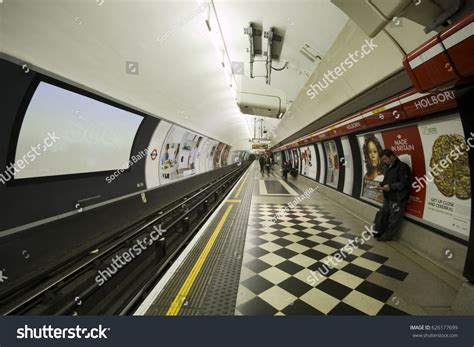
(179, 76)
(316, 23)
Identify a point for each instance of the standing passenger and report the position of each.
(285, 169)
(261, 161)
(396, 190)
(268, 163)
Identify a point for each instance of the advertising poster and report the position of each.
(278, 159)
(371, 146)
(177, 154)
(332, 162)
(153, 162)
(322, 174)
(308, 161)
(191, 152)
(210, 154)
(405, 142)
(296, 159)
(225, 155)
(288, 157)
(202, 154)
(447, 181)
(346, 161)
(217, 155)
(236, 157)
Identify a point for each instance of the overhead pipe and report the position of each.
(250, 32)
(268, 64)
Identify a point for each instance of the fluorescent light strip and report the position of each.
(459, 36)
(427, 55)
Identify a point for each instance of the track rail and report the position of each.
(72, 288)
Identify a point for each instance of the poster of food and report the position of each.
(332, 162)
(308, 161)
(447, 181)
(440, 193)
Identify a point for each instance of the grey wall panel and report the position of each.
(29, 200)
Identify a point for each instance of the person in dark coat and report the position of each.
(261, 161)
(396, 190)
(285, 168)
(268, 164)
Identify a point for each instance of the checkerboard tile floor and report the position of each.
(276, 273)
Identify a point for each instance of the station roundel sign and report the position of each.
(154, 154)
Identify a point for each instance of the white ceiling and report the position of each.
(316, 22)
(180, 77)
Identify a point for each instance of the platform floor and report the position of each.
(248, 262)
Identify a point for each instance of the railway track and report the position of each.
(86, 284)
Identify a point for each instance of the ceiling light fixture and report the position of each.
(214, 28)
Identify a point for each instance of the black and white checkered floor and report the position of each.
(281, 260)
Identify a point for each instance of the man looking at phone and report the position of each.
(396, 190)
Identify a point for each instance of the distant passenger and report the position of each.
(286, 167)
(268, 164)
(261, 161)
(396, 189)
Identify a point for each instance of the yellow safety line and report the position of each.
(233, 200)
(183, 292)
(241, 186)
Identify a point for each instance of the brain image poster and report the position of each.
(447, 182)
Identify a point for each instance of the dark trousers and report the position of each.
(391, 219)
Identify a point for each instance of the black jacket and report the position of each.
(398, 177)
